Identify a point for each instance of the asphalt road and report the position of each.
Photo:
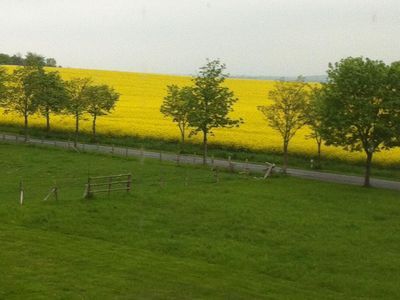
(221, 163)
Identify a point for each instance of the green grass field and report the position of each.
(181, 235)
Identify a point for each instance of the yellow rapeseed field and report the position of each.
(138, 113)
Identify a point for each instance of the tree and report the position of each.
(356, 109)
(313, 121)
(34, 60)
(51, 96)
(51, 62)
(23, 85)
(286, 113)
(3, 85)
(17, 60)
(176, 105)
(211, 102)
(77, 100)
(394, 102)
(5, 59)
(101, 99)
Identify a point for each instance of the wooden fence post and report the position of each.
(109, 185)
(246, 168)
(21, 192)
(128, 184)
(186, 179)
(88, 189)
(216, 175)
(56, 192)
(231, 168)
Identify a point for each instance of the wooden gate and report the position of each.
(108, 184)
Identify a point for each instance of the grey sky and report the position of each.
(254, 37)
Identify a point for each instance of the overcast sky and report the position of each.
(253, 37)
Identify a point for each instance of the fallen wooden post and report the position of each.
(268, 170)
(53, 191)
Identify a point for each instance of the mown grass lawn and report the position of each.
(181, 235)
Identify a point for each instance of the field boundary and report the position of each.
(198, 160)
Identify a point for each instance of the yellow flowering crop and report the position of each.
(138, 113)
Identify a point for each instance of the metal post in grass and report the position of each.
(194, 158)
(212, 161)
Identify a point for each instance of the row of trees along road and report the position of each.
(358, 108)
(31, 90)
(203, 106)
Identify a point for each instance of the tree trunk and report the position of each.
(319, 154)
(47, 121)
(76, 129)
(94, 127)
(182, 138)
(368, 169)
(205, 147)
(26, 127)
(285, 156)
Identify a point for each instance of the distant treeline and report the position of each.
(30, 59)
(310, 78)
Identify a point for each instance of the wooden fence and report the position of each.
(108, 184)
